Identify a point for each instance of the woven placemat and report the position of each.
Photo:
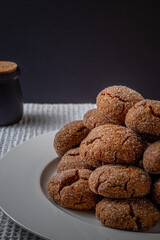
(38, 119)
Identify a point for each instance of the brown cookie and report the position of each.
(73, 160)
(156, 191)
(112, 144)
(70, 189)
(137, 214)
(151, 158)
(7, 67)
(144, 118)
(70, 136)
(115, 102)
(120, 181)
(94, 118)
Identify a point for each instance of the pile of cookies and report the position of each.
(110, 161)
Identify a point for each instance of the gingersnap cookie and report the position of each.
(73, 160)
(114, 102)
(137, 214)
(70, 189)
(94, 118)
(120, 181)
(7, 67)
(112, 144)
(144, 118)
(156, 191)
(70, 136)
(151, 158)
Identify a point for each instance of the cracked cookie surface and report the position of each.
(151, 158)
(112, 144)
(156, 191)
(94, 118)
(120, 181)
(114, 102)
(73, 160)
(144, 118)
(70, 136)
(70, 189)
(130, 214)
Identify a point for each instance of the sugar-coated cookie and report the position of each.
(144, 118)
(70, 189)
(156, 191)
(120, 181)
(73, 160)
(114, 102)
(151, 158)
(137, 214)
(70, 136)
(94, 118)
(112, 144)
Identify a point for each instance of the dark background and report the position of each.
(70, 50)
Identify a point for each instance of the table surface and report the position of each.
(37, 119)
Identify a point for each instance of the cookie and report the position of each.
(73, 160)
(156, 191)
(151, 158)
(144, 118)
(7, 67)
(114, 102)
(70, 136)
(112, 144)
(120, 181)
(137, 214)
(70, 189)
(94, 118)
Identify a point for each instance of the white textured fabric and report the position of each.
(38, 119)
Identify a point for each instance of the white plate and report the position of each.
(24, 173)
